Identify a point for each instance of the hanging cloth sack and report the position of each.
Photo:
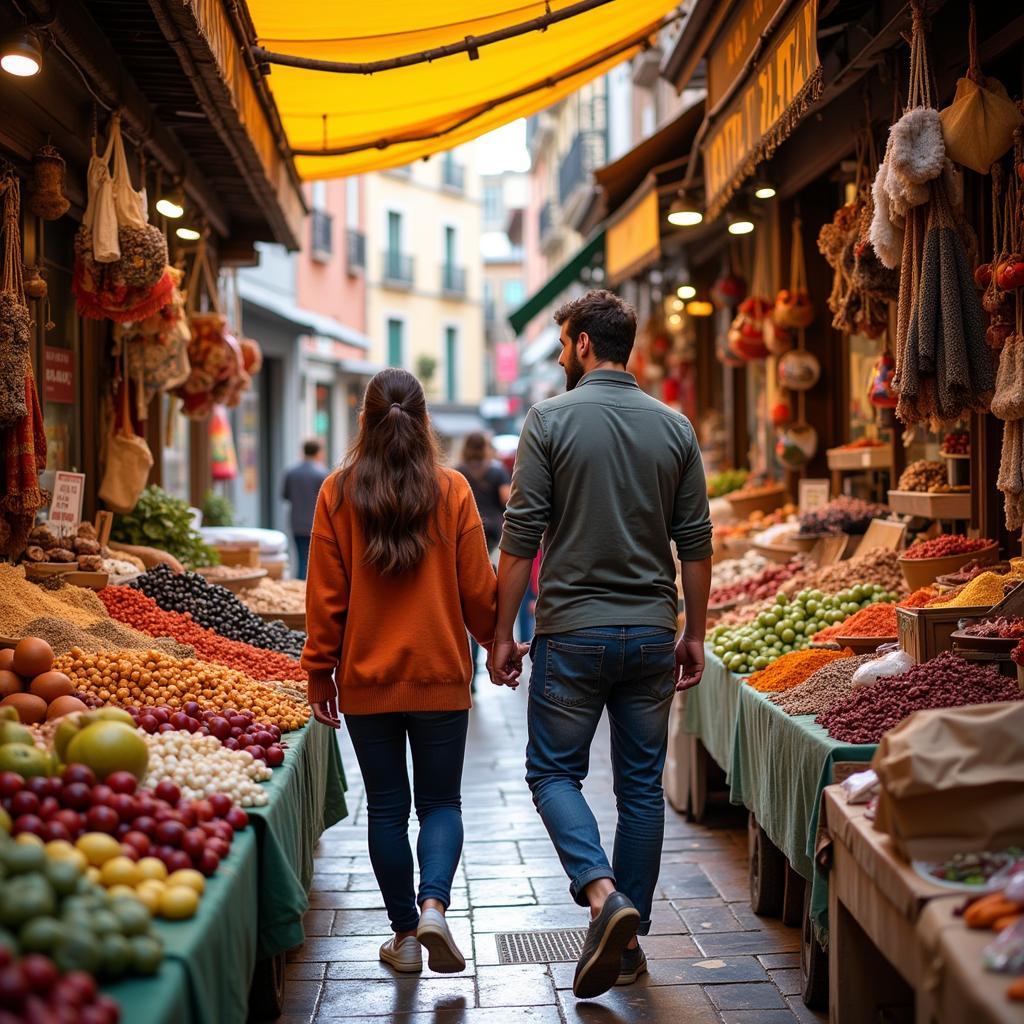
(143, 246)
(978, 125)
(15, 321)
(128, 459)
(99, 222)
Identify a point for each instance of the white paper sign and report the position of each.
(813, 494)
(66, 507)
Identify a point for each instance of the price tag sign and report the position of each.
(814, 494)
(66, 507)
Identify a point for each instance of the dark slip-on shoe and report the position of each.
(634, 963)
(600, 961)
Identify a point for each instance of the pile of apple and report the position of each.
(29, 685)
(180, 833)
(32, 989)
(236, 730)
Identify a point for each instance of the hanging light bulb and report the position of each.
(21, 54)
(686, 291)
(700, 307)
(675, 319)
(764, 189)
(684, 213)
(188, 234)
(172, 203)
(740, 224)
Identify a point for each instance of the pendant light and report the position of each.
(684, 213)
(171, 203)
(739, 224)
(764, 189)
(21, 54)
(188, 234)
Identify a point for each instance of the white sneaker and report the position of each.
(443, 955)
(403, 956)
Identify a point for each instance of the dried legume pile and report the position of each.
(824, 689)
(22, 601)
(103, 635)
(875, 620)
(143, 613)
(282, 596)
(982, 592)
(792, 669)
(136, 678)
(919, 598)
(944, 682)
(881, 567)
(218, 609)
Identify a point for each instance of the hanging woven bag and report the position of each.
(15, 320)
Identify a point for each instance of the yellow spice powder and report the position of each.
(983, 591)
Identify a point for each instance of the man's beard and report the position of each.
(574, 372)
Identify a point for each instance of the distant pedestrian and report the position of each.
(398, 571)
(302, 484)
(609, 478)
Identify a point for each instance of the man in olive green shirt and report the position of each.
(606, 480)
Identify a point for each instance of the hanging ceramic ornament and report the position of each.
(778, 340)
(746, 335)
(793, 307)
(796, 445)
(729, 290)
(799, 370)
(781, 414)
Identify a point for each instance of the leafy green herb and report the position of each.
(164, 522)
(217, 510)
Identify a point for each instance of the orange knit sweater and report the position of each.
(397, 643)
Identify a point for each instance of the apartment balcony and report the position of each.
(396, 271)
(355, 251)
(321, 243)
(453, 176)
(575, 184)
(551, 227)
(453, 281)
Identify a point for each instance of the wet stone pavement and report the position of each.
(711, 960)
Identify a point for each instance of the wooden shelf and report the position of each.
(852, 460)
(931, 506)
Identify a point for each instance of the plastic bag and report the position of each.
(894, 663)
(1006, 953)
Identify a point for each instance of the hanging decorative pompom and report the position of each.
(46, 193)
(880, 392)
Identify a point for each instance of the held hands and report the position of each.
(505, 662)
(326, 711)
(689, 663)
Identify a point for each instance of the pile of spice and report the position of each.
(946, 546)
(1007, 629)
(922, 475)
(283, 596)
(944, 682)
(920, 598)
(973, 568)
(792, 669)
(765, 584)
(216, 573)
(102, 635)
(143, 613)
(874, 620)
(878, 566)
(983, 591)
(828, 686)
(148, 678)
(22, 601)
(841, 515)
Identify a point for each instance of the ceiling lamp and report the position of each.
(188, 234)
(21, 54)
(686, 291)
(700, 307)
(764, 189)
(684, 213)
(172, 203)
(740, 224)
(675, 319)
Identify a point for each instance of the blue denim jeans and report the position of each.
(630, 671)
(438, 742)
(302, 550)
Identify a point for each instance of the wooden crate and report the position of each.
(931, 506)
(926, 632)
(239, 554)
(848, 460)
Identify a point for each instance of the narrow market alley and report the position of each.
(711, 960)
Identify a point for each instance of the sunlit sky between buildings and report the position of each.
(504, 149)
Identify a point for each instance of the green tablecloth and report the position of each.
(711, 710)
(780, 765)
(253, 905)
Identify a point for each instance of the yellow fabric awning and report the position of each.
(454, 95)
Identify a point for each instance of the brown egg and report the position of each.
(32, 657)
(10, 682)
(64, 706)
(31, 709)
(51, 685)
(7, 659)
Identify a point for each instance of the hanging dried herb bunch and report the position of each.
(15, 320)
(46, 196)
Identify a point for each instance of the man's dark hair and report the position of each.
(610, 323)
(311, 448)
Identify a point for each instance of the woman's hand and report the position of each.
(326, 711)
(505, 662)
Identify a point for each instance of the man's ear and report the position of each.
(583, 345)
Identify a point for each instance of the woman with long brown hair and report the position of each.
(398, 571)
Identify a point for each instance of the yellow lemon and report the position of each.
(119, 871)
(149, 893)
(116, 891)
(98, 847)
(29, 839)
(178, 902)
(59, 849)
(150, 868)
(93, 874)
(190, 877)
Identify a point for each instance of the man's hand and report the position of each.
(326, 711)
(505, 662)
(689, 663)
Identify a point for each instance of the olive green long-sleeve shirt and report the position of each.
(606, 477)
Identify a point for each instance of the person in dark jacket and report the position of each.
(301, 487)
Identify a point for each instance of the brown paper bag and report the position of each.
(978, 125)
(952, 781)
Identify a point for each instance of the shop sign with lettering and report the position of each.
(735, 44)
(58, 375)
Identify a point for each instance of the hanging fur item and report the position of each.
(46, 196)
(15, 319)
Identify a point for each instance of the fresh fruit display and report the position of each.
(30, 687)
(738, 570)
(922, 476)
(765, 584)
(154, 679)
(841, 515)
(976, 868)
(50, 907)
(19, 752)
(879, 567)
(944, 682)
(135, 609)
(788, 626)
(946, 546)
(105, 741)
(200, 766)
(216, 608)
(33, 989)
(958, 442)
(877, 620)
(726, 481)
(754, 522)
(236, 730)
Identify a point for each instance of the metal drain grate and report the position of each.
(542, 947)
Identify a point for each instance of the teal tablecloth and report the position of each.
(253, 905)
(711, 710)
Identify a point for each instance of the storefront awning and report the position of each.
(558, 282)
(340, 124)
(456, 424)
(305, 321)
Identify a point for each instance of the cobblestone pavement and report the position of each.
(711, 960)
